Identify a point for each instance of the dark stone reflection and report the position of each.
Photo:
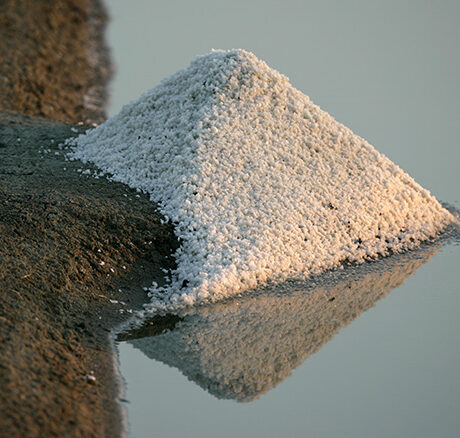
(54, 62)
(242, 348)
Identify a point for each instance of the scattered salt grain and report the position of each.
(260, 183)
(90, 378)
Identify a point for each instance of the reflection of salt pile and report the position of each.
(260, 183)
(246, 347)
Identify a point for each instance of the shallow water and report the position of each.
(389, 72)
(392, 372)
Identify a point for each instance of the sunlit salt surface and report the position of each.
(260, 183)
(388, 373)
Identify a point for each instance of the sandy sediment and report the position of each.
(69, 243)
(54, 62)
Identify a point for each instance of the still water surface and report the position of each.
(392, 372)
(388, 70)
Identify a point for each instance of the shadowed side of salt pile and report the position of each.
(245, 347)
(260, 183)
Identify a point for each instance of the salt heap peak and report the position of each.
(260, 183)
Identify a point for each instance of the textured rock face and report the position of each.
(244, 348)
(260, 183)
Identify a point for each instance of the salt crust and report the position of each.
(260, 183)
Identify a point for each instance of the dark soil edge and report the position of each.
(75, 254)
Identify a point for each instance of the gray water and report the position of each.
(392, 372)
(388, 70)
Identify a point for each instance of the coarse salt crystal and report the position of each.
(260, 183)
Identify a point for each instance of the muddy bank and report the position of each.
(69, 243)
(54, 61)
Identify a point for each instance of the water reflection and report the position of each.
(243, 348)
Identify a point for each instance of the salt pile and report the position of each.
(260, 183)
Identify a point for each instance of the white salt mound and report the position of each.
(260, 183)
